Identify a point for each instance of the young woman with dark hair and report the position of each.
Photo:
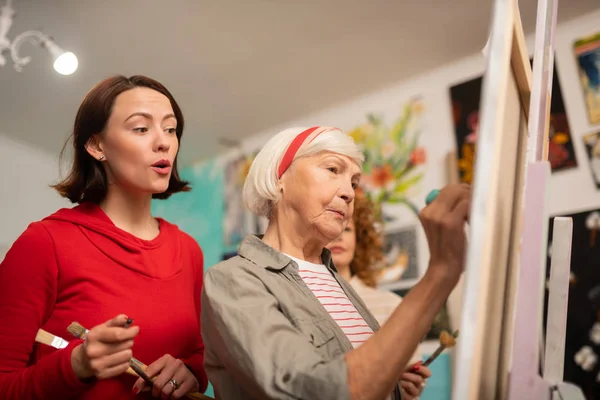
(108, 260)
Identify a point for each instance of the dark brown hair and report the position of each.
(369, 243)
(87, 179)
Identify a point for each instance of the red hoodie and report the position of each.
(76, 265)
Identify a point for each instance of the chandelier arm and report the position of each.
(34, 37)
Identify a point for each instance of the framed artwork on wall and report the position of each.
(587, 54)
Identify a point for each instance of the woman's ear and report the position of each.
(94, 148)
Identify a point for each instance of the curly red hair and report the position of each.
(369, 243)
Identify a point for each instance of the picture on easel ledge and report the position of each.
(582, 344)
(587, 54)
(465, 100)
(592, 148)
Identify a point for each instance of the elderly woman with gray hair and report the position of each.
(279, 322)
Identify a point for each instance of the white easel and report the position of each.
(498, 356)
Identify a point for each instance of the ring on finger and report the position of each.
(174, 383)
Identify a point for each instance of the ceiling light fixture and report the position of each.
(65, 63)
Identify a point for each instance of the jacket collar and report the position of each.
(263, 255)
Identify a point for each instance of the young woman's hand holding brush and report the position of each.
(172, 379)
(106, 351)
(413, 380)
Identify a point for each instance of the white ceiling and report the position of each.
(237, 67)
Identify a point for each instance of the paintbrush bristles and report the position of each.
(448, 340)
(77, 330)
(44, 337)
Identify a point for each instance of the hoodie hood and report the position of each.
(158, 258)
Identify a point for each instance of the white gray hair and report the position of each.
(261, 190)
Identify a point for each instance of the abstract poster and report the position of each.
(582, 347)
(587, 54)
(592, 147)
(465, 98)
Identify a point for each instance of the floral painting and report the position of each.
(587, 53)
(394, 159)
(465, 98)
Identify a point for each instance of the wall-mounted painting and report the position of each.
(399, 269)
(587, 53)
(592, 147)
(234, 223)
(465, 98)
(394, 159)
(238, 221)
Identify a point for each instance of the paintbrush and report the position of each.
(446, 341)
(136, 367)
(49, 339)
(79, 331)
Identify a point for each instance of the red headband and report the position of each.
(292, 149)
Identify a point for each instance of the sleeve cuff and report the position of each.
(70, 379)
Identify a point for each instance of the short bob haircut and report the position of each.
(261, 191)
(87, 179)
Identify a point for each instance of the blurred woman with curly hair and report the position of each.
(356, 253)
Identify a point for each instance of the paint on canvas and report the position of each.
(592, 148)
(587, 54)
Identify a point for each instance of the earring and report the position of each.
(100, 158)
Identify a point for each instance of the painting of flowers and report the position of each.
(394, 159)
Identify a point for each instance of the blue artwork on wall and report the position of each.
(199, 212)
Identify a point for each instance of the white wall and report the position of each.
(24, 192)
(571, 191)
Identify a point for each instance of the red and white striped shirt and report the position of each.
(331, 295)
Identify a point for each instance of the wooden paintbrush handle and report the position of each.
(194, 395)
(438, 351)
